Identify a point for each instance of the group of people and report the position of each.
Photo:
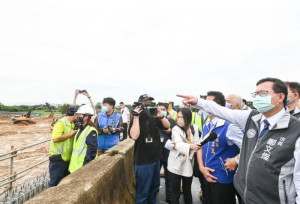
(254, 157)
(83, 134)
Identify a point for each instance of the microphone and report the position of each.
(211, 137)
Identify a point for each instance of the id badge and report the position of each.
(161, 139)
(149, 139)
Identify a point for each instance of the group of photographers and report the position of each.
(151, 127)
(81, 136)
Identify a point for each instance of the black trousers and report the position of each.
(218, 193)
(167, 180)
(186, 186)
(57, 170)
(124, 131)
(201, 179)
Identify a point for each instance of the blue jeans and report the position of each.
(57, 171)
(147, 182)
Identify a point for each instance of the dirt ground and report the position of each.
(21, 135)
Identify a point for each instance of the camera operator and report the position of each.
(144, 129)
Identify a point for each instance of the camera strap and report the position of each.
(113, 120)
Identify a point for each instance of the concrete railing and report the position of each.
(107, 179)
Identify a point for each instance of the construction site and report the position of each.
(24, 150)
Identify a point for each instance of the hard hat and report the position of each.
(85, 110)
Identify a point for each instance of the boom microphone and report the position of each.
(211, 137)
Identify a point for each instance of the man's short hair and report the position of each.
(163, 104)
(219, 97)
(110, 101)
(121, 103)
(278, 86)
(294, 86)
(172, 103)
(244, 100)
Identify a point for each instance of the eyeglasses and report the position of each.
(260, 93)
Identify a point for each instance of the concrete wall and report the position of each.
(108, 179)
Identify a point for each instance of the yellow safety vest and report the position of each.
(65, 147)
(80, 149)
(173, 114)
(197, 120)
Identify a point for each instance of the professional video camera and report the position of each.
(150, 108)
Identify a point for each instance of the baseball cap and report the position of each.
(145, 97)
(72, 110)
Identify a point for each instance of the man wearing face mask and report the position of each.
(293, 98)
(85, 140)
(218, 183)
(165, 135)
(61, 146)
(109, 124)
(234, 102)
(269, 167)
(144, 129)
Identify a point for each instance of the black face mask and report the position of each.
(79, 122)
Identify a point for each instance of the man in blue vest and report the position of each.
(109, 124)
(218, 181)
(269, 167)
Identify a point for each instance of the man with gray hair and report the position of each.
(233, 102)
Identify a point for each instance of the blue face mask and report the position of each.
(104, 109)
(164, 113)
(263, 104)
(228, 105)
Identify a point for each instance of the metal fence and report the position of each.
(21, 192)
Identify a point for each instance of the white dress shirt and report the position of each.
(240, 117)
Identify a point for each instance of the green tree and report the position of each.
(63, 109)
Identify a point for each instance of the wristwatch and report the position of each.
(236, 160)
(161, 117)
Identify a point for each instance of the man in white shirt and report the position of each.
(269, 167)
(126, 118)
(218, 181)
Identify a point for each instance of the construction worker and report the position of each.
(61, 146)
(85, 140)
(171, 111)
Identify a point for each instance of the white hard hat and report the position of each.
(85, 110)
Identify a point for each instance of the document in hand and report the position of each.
(170, 146)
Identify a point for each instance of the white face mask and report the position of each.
(180, 122)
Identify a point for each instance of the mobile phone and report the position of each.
(81, 91)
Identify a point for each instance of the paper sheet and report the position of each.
(170, 146)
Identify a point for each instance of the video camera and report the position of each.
(150, 108)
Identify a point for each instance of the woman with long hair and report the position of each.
(184, 137)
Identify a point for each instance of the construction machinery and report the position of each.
(51, 110)
(25, 118)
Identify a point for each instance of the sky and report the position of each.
(123, 49)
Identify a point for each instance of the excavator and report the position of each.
(25, 118)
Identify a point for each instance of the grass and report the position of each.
(42, 112)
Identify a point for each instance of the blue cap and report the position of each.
(72, 110)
